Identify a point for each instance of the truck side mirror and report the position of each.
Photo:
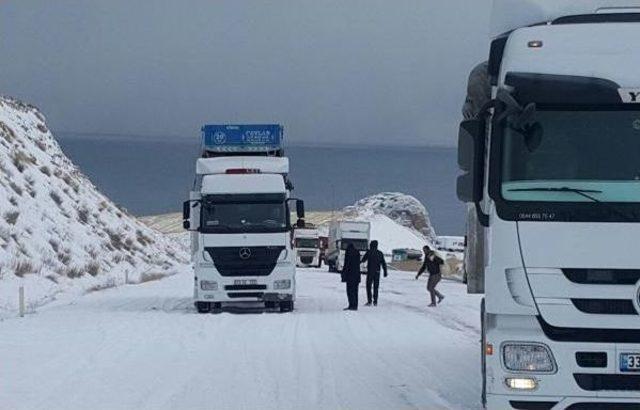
(471, 152)
(300, 208)
(186, 215)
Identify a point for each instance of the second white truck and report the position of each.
(307, 246)
(343, 233)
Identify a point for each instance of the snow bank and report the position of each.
(392, 235)
(58, 233)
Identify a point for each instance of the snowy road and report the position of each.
(144, 347)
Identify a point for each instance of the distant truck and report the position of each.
(239, 218)
(307, 246)
(450, 243)
(343, 233)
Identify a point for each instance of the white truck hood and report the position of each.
(549, 250)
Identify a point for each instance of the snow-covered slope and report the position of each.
(57, 232)
(392, 235)
(401, 208)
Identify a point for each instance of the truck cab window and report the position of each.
(575, 150)
(230, 217)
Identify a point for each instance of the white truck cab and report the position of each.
(239, 218)
(343, 233)
(552, 172)
(307, 246)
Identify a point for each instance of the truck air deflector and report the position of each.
(563, 89)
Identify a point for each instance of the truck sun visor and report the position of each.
(563, 89)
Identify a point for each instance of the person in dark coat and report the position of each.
(351, 275)
(375, 261)
(432, 264)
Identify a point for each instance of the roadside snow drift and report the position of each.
(57, 232)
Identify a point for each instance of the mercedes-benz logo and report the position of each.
(245, 253)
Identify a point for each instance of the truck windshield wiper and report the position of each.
(582, 192)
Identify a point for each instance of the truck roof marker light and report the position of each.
(242, 171)
(535, 44)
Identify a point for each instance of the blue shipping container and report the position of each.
(242, 138)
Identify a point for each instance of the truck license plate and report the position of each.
(245, 282)
(630, 362)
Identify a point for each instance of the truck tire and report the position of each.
(203, 307)
(319, 264)
(287, 306)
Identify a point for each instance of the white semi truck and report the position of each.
(551, 162)
(307, 247)
(343, 233)
(239, 218)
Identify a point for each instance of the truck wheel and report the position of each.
(286, 306)
(319, 264)
(203, 307)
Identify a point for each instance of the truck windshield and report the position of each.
(256, 215)
(307, 243)
(360, 244)
(578, 152)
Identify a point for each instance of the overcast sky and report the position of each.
(331, 71)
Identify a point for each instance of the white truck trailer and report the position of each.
(307, 247)
(343, 233)
(552, 173)
(239, 218)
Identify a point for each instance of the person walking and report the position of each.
(432, 263)
(351, 275)
(375, 261)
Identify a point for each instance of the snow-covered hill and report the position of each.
(404, 209)
(57, 232)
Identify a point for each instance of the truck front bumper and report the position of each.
(572, 383)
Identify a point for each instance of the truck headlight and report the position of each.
(208, 285)
(528, 357)
(282, 284)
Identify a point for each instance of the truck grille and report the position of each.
(603, 276)
(605, 306)
(245, 261)
(613, 382)
(591, 359)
